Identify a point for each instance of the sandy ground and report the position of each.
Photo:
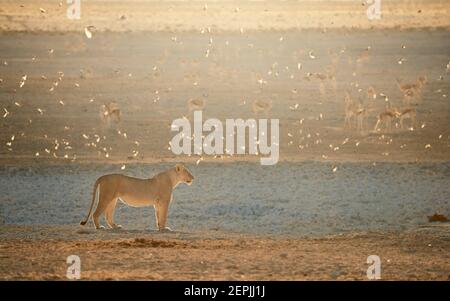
(40, 252)
(293, 222)
(336, 196)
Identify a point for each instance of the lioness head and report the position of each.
(183, 174)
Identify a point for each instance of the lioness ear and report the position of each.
(178, 167)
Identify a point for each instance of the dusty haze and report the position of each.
(338, 194)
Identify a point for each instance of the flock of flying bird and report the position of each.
(356, 112)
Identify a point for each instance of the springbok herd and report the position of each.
(356, 112)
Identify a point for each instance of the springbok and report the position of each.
(262, 106)
(196, 104)
(355, 110)
(110, 112)
(410, 113)
(412, 90)
(386, 118)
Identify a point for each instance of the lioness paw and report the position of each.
(100, 227)
(166, 229)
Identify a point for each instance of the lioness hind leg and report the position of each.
(109, 213)
(105, 198)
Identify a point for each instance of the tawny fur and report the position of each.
(111, 112)
(385, 118)
(156, 191)
(410, 113)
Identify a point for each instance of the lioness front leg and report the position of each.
(109, 213)
(162, 211)
(156, 207)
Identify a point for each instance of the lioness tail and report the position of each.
(94, 194)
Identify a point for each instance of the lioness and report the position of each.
(135, 192)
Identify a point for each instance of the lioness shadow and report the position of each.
(128, 231)
(144, 231)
